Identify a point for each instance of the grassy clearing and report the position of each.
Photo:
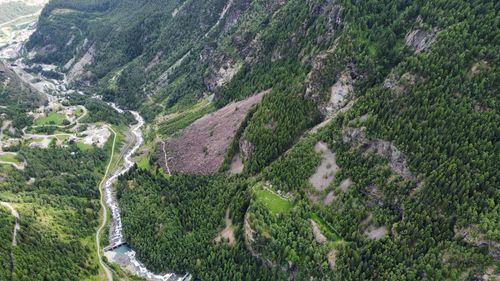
(84, 146)
(9, 158)
(63, 138)
(78, 112)
(275, 203)
(181, 120)
(143, 161)
(53, 118)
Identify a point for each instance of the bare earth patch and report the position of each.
(332, 258)
(329, 198)
(376, 233)
(345, 184)
(326, 171)
(236, 165)
(318, 236)
(200, 148)
(227, 234)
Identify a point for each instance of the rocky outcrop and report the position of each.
(78, 68)
(473, 236)
(318, 236)
(246, 149)
(376, 233)
(419, 40)
(400, 85)
(220, 71)
(332, 258)
(341, 92)
(397, 160)
(354, 135)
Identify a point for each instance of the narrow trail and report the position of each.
(109, 275)
(17, 226)
(165, 157)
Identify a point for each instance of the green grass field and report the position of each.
(185, 118)
(52, 118)
(275, 203)
(9, 158)
(83, 146)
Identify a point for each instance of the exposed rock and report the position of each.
(473, 236)
(236, 165)
(69, 63)
(345, 184)
(248, 231)
(325, 173)
(354, 135)
(78, 68)
(479, 67)
(318, 236)
(246, 149)
(397, 160)
(227, 233)
(399, 85)
(376, 233)
(154, 62)
(49, 49)
(329, 198)
(163, 79)
(332, 258)
(70, 41)
(419, 40)
(221, 71)
(375, 197)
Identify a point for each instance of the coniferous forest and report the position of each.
(373, 154)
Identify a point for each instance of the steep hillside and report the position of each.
(373, 156)
(17, 99)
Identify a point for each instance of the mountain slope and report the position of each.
(398, 183)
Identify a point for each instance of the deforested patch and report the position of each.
(199, 149)
(325, 173)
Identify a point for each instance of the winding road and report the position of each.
(109, 275)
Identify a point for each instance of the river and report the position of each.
(119, 251)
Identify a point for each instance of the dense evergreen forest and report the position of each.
(57, 200)
(407, 91)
